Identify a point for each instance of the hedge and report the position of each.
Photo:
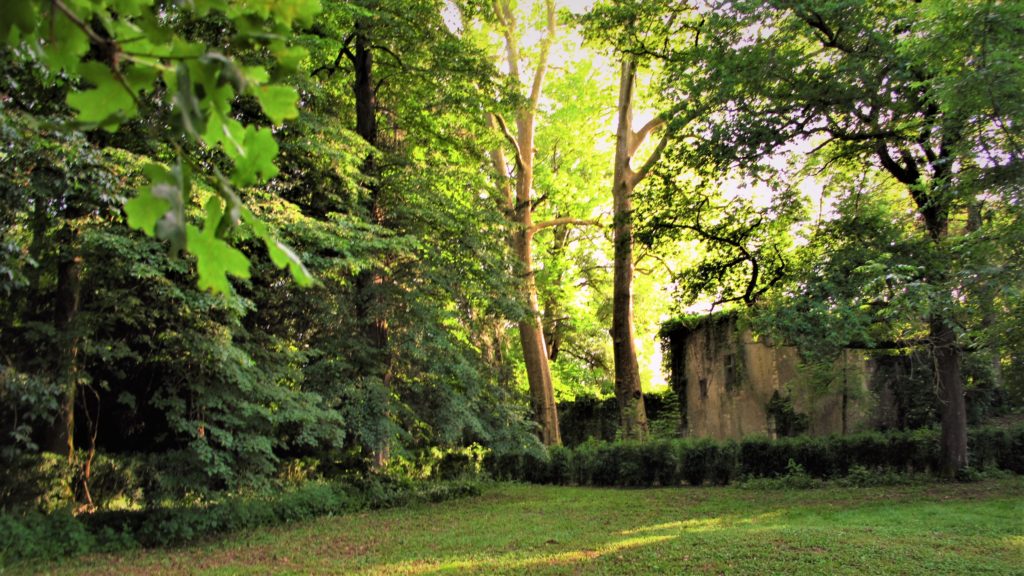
(39, 537)
(696, 462)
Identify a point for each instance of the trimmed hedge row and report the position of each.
(38, 536)
(696, 462)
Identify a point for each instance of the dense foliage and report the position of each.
(244, 242)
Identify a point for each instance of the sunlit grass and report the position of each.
(517, 529)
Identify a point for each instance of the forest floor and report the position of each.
(928, 529)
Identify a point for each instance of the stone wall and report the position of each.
(727, 379)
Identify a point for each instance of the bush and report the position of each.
(997, 448)
(661, 462)
(560, 467)
(460, 462)
(36, 536)
(725, 464)
(696, 462)
(669, 462)
(43, 537)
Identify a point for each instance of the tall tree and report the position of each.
(845, 76)
(629, 28)
(628, 389)
(518, 203)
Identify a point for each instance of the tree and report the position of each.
(850, 79)
(624, 26)
(517, 202)
(128, 56)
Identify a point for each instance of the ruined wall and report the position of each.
(728, 379)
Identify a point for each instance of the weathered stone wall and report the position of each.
(729, 378)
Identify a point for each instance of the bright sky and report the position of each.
(566, 51)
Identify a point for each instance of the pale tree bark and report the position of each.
(519, 208)
(628, 390)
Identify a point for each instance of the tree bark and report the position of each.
(628, 391)
(61, 439)
(519, 210)
(946, 354)
(942, 341)
(369, 282)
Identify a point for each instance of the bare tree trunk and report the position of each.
(520, 210)
(628, 391)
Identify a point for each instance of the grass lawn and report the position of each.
(932, 529)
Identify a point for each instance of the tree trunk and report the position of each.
(552, 310)
(943, 344)
(628, 392)
(535, 353)
(531, 330)
(369, 282)
(946, 354)
(61, 439)
(520, 210)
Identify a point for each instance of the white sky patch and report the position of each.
(452, 17)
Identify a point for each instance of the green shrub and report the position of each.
(35, 536)
(460, 462)
(560, 467)
(725, 464)
(630, 458)
(43, 537)
(669, 462)
(661, 463)
(757, 458)
(697, 461)
(37, 482)
(1011, 455)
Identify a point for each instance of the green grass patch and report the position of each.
(928, 529)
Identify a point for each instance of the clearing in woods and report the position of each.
(518, 529)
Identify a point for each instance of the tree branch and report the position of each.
(562, 221)
(542, 60)
(508, 136)
(636, 139)
(640, 174)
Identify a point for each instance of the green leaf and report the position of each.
(288, 57)
(284, 11)
(63, 44)
(256, 74)
(215, 258)
(280, 253)
(278, 102)
(227, 133)
(256, 165)
(145, 210)
(159, 209)
(106, 105)
(186, 104)
(20, 15)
